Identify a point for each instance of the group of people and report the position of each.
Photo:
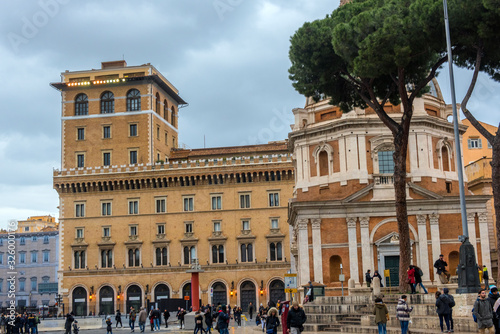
(154, 317)
(23, 323)
(369, 278)
(486, 311)
(381, 313)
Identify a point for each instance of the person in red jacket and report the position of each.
(411, 279)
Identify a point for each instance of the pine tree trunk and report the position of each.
(495, 185)
(400, 153)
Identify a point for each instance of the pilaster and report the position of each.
(353, 249)
(366, 248)
(422, 246)
(303, 243)
(435, 238)
(485, 240)
(471, 226)
(317, 255)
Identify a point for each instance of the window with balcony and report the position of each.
(386, 162)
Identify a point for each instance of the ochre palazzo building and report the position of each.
(343, 210)
(136, 211)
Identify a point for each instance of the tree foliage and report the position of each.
(368, 53)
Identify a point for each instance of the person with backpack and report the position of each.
(486, 277)
(368, 278)
(418, 279)
(118, 319)
(403, 314)
(483, 312)
(452, 305)
(411, 279)
(443, 310)
(381, 315)
(492, 298)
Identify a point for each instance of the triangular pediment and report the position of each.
(389, 239)
(423, 191)
(358, 194)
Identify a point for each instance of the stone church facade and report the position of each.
(343, 209)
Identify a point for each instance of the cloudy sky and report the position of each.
(228, 58)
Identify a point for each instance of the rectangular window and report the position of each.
(160, 228)
(386, 162)
(217, 202)
(474, 143)
(34, 238)
(22, 257)
(106, 159)
(79, 233)
(244, 201)
(158, 132)
(274, 223)
(106, 232)
(133, 157)
(34, 257)
(80, 133)
(106, 131)
(22, 241)
(1, 258)
(46, 239)
(166, 138)
(217, 227)
(245, 225)
(133, 130)
(274, 199)
(189, 227)
(133, 207)
(33, 286)
(80, 160)
(21, 285)
(133, 230)
(80, 209)
(161, 205)
(106, 208)
(188, 203)
(46, 255)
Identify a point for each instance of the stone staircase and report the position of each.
(353, 314)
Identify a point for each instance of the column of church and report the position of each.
(485, 240)
(435, 238)
(353, 248)
(422, 246)
(317, 254)
(366, 247)
(303, 245)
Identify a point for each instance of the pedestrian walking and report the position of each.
(418, 278)
(381, 315)
(152, 320)
(131, 318)
(446, 291)
(69, 320)
(157, 319)
(198, 322)
(250, 310)
(208, 320)
(411, 279)
(368, 278)
(295, 319)
(483, 313)
(143, 316)
(443, 310)
(166, 315)
(109, 327)
(441, 265)
(223, 320)
(180, 316)
(272, 321)
(118, 319)
(403, 314)
(492, 298)
(76, 329)
(486, 277)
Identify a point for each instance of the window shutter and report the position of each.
(479, 143)
(468, 143)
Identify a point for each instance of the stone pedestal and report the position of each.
(189, 322)
(468, 276)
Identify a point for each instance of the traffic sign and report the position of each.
(290, 290)
(291, 282)
(186, 297)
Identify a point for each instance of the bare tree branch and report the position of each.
(431, 75)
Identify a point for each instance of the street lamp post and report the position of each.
(468, 276)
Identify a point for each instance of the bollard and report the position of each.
(376, 287)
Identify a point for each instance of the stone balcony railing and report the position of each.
(478, 170)
(184, 164)
(383, 179)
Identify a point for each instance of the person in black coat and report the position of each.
(311, 295)
(418, 278)
(166, 315)
(295, 319)
(250, 310)
(376, 274)
(118, 318)
(492, 298)
(443, 310)
(67, 324)
(368, 278)
(208, 320)
(272, 320)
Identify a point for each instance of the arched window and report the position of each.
(174, 118)
(165, 110)
(276, 251)
(157, 103)
(107, 103)
(134, 257)
(246, 252)
(218, 254)
(81, 105)
(133, 100)
(106, 258)
(189, 254)
(323, 163)
(79, 259)
(161, 256)
(446, 158)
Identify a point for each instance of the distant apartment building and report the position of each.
(36, 264)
